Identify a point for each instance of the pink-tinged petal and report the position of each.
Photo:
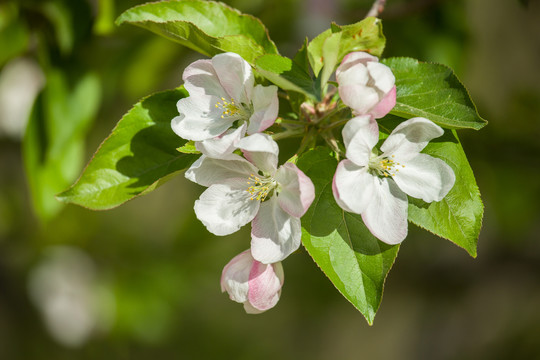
(200, 78)
(352, 74)
(425, 177)
(360, 98)
(225, 208)
(386, 104)
(261, 150)
(199, 119)
(353, 187)
(365, 122)
(251, 310)
(338, 196)
(265, 108)
(235, 76)
(274, 233)
(235, 276)
(353, 59)
(207, 171)
(386, 215)
(223, 145)
(410, 137)
(361, 144)
(382, 76)
(264, 286)
(297, 191)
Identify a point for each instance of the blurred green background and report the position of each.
(142, 281)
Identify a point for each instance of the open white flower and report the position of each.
(241, 190)
(252, 283)
(365, 85)
(376, 185)
(223, 104)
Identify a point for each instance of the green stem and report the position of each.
(288, 134)
(335, 124)
(330, 139)
(307, 141)
(290, 121)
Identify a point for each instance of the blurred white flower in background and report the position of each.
(20, 82)
(64, 286)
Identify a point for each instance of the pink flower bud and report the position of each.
(252, 283)
(365, 85)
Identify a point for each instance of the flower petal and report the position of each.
(264, 285)
(235, 76)
(410, 137)
(425, 177)
(199, 119)
(297, 191)
(382, 76)
(386, 215)
(251, 310)
(223, 145)
(360, 98)
(274, 233)
(235, 276)
(261, 150)
(386, 104)
(224, 208)
(200, 78)
(353, 59)
(207, 171)
(352, 73)
(355, 124)
(353, 187)
(360, 145)
(265, 108)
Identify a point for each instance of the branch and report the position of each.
(376, 8)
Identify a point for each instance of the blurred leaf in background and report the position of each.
(55, 137)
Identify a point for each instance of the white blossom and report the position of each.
(223, 104)
(240, 191)
(376, 184)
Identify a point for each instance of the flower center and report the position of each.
(231, 109)
(260, 186)
(382, 165)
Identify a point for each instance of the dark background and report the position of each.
(142, 281)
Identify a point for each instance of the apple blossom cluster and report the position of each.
(223, 107)
(226, 115)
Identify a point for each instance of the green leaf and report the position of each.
(204, 26)
(188, 148)
(458, 217)
(432, 91)
(339, 242)
(138, 156)
(286, 74)
(53, 147)
(301, 58)
(329, 47)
